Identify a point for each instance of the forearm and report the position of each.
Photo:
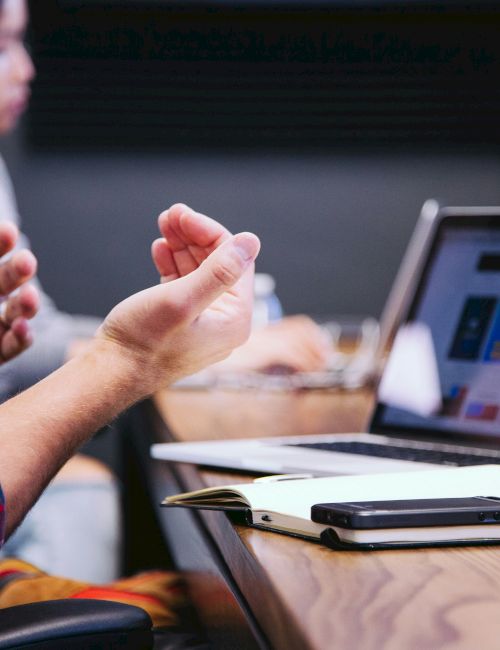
(42, 427)
(195, 318)
(54, 333)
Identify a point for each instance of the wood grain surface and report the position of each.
(308, 596)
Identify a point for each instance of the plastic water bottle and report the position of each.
(266, 307)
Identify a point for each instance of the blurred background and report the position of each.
(321, 126)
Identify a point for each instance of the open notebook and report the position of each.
(284, 506)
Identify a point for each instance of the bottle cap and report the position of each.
(264, 285)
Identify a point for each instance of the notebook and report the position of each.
(284, 506)
(438, 399)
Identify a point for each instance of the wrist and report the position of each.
(130, 370)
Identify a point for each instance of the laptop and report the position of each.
(448, 289)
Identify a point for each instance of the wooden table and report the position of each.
(279, 592)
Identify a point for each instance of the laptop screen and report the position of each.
(458, 303)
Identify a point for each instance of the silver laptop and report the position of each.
(437, 404)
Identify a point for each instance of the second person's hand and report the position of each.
(20, 300)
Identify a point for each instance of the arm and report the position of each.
(148, 341)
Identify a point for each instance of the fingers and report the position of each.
(15, 333)
(15, 339)
(164, 260)
(8, 237)
(185, 227)
(17, 270)
(190, 236)
(23, 305)
(220, 272)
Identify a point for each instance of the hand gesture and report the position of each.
(16, 309)
(202, 309)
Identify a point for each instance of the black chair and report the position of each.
(79, 624)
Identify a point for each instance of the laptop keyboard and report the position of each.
(397, 452)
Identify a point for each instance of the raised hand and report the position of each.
(200, 312)
(16, 309)
(147, 341)
(188, 238)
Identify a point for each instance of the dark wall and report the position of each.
(333, 227)
(240, 75)
(321, 129)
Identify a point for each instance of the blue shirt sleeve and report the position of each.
(2, 517)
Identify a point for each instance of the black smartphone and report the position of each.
(408, 513)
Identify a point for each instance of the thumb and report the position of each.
(220, 271)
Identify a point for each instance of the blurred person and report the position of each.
(86, 489)
(54, 330)
(58, 333)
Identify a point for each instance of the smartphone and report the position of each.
(408, 513)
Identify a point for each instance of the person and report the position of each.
(196, 316)
(55, 333)
(85, 487)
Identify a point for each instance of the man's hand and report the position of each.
(15, 334)
(151, 339)
(294, 343)
(200, 312)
